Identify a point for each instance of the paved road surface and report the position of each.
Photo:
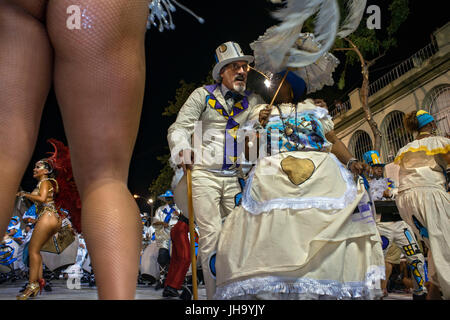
(8, 291)
(60, 291)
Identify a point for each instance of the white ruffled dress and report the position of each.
(296, 235)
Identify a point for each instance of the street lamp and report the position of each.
(136, 196)
(150, 202)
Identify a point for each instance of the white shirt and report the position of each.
(224, 90)
(66, 222)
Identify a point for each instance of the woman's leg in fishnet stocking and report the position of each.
(99, 81)
(25, 78)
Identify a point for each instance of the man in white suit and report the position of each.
(213, 114)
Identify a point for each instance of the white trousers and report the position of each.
(213, 199)
(427, 211)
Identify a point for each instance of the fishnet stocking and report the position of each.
(99, 75)
(99, 82)
(25, 78)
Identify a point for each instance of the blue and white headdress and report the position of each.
(160, 14)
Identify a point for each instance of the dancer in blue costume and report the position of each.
(393, 230)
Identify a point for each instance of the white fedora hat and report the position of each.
(226, 53)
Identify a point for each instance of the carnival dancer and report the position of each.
(14, 230)
(180, 258)
(29, 216)
(218, 110)
(8, 258)
(423, 199)
(165, 218)
(296, 234)
(393, 230)
(16, 233)
(48, 223)
(48, 218)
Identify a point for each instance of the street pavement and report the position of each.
(61, 291)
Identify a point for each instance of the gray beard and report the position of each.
(239, 88)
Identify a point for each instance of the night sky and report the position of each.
(188, 53)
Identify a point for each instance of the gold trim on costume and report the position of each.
(423, 148)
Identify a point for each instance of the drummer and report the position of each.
(14, 230)
(393, 230)
(165, 218)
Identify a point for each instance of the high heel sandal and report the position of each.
(31, 290)
(41, 285)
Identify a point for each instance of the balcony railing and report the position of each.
(340, 109)
(415, 61)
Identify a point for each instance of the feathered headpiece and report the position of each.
(68, 197)
(160, 14)
(277, 50)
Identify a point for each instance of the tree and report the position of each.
(366, 46)
(163, 181)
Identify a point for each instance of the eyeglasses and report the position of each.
(237, 66)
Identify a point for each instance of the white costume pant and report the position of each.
(401, 234)
(213, 199)
(427, 210)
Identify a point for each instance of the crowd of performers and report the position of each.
(69, 259)
(304, 220)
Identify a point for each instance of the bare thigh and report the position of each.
(26, 60)
(35, 8)
(99, 81)
(45, 228)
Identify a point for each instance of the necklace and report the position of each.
(288, 130)
(424, 133)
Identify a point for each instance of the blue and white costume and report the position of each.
(393, 230)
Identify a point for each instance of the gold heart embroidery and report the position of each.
(298, 170)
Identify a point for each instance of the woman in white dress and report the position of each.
(297, 234)
(423, 199)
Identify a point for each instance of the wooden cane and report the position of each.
(192, 234)
(278, 90)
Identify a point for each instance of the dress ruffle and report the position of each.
(305, 288)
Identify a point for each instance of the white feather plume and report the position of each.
(276, 50)
(285, 46)
(356, 11)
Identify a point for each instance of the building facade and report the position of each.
(420, 82)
